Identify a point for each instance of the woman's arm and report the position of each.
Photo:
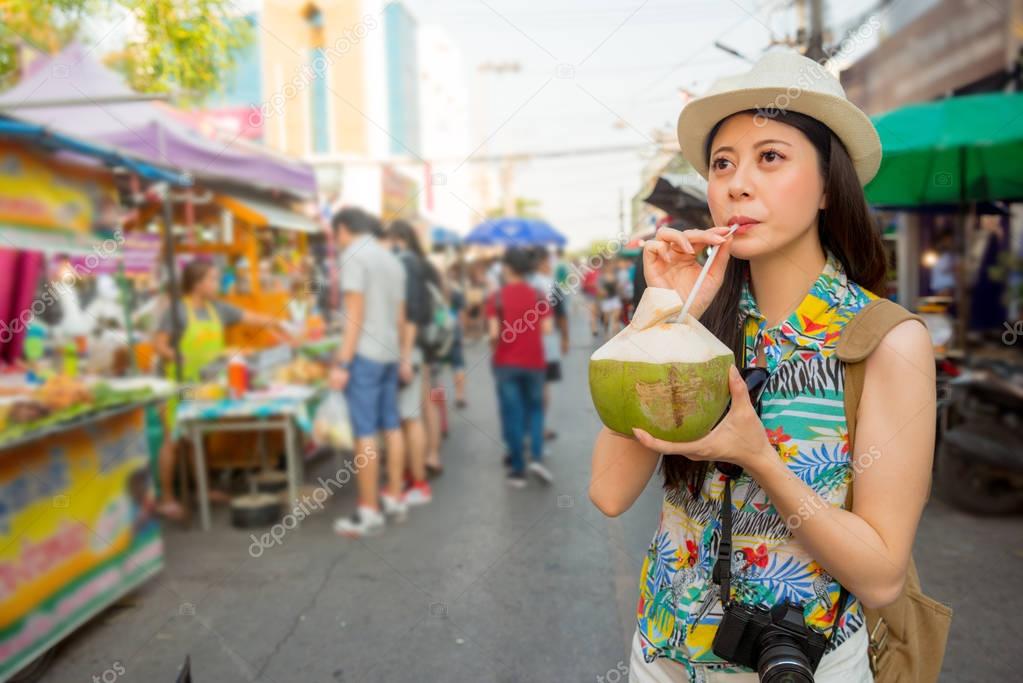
(259, 319)
(868, 550)
(621, 468)
(162, 346)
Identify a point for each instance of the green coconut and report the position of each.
(665, 377)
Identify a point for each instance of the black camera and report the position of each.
(776, 642)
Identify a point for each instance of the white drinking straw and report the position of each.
(702, 276)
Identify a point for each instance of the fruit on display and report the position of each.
(668, 378)
(59, 399)
(210, 391)
(24, 412)
(61, 392)
(301, 371)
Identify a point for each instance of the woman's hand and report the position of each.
(740, 438)
(669, 261)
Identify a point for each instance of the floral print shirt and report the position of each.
(803, 412)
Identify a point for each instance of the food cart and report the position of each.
(76, 529)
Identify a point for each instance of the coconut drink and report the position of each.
(664, 376)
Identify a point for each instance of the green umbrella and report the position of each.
(951, 152)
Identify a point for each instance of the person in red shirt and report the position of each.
(517, 317)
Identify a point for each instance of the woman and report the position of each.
(203, 319)
(805, 259)
(419, 309)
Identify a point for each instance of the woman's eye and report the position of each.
(719, 163)
(770, 156)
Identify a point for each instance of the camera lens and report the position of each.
(782, 661)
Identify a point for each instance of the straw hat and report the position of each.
(782, 80)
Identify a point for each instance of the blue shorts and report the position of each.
(456, 356)
(372, 395)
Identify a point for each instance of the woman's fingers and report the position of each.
(676, 239)
(683, 240)
(653, 444)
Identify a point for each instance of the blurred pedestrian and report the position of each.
(591, 290)
(610, 300)
(555, 341)
(454, 285)
(411, 398)
(517, 317)
(375, 352)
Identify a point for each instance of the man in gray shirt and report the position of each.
(376, 349)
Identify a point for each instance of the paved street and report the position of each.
(485, 584)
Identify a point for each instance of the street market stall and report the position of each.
(947, 161)
(76, 524)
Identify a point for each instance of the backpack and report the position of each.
(907, 638)
(436, 335)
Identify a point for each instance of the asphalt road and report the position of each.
(485, 584)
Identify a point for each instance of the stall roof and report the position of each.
(75, 93)
(47, 241)
(40, 135)
(262, 213)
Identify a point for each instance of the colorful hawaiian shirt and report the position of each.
(803, 412)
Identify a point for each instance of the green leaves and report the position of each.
(181, 47)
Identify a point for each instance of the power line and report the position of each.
(556, 154)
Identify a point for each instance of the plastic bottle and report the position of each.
(237, 376)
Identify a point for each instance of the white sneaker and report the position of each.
(542, 472)
(418, 494)
(394, 507)
(364, 522)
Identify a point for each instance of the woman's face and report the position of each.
(769, 172)
(209, 285)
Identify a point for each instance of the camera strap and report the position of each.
(722, 572)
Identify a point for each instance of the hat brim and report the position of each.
(845, 120)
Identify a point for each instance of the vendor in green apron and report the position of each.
(203, 319)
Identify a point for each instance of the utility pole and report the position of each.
(815, 41)
(621, 211)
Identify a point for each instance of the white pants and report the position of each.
(848, 663)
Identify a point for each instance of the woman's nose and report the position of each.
(739, 185)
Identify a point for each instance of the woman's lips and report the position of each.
(745, 227)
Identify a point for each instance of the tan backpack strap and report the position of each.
(860, 337)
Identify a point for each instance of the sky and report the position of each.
(601, 73)
(584, 64)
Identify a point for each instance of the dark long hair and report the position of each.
(403, 231)
(846, 229)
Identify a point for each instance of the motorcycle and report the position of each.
(934, 310)
(979, 461)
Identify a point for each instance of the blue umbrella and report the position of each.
(515, 232)
(443, 237)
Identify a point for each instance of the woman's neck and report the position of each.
(780, 280)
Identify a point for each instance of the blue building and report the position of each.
(402, 79)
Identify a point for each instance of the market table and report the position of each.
(282, 408)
